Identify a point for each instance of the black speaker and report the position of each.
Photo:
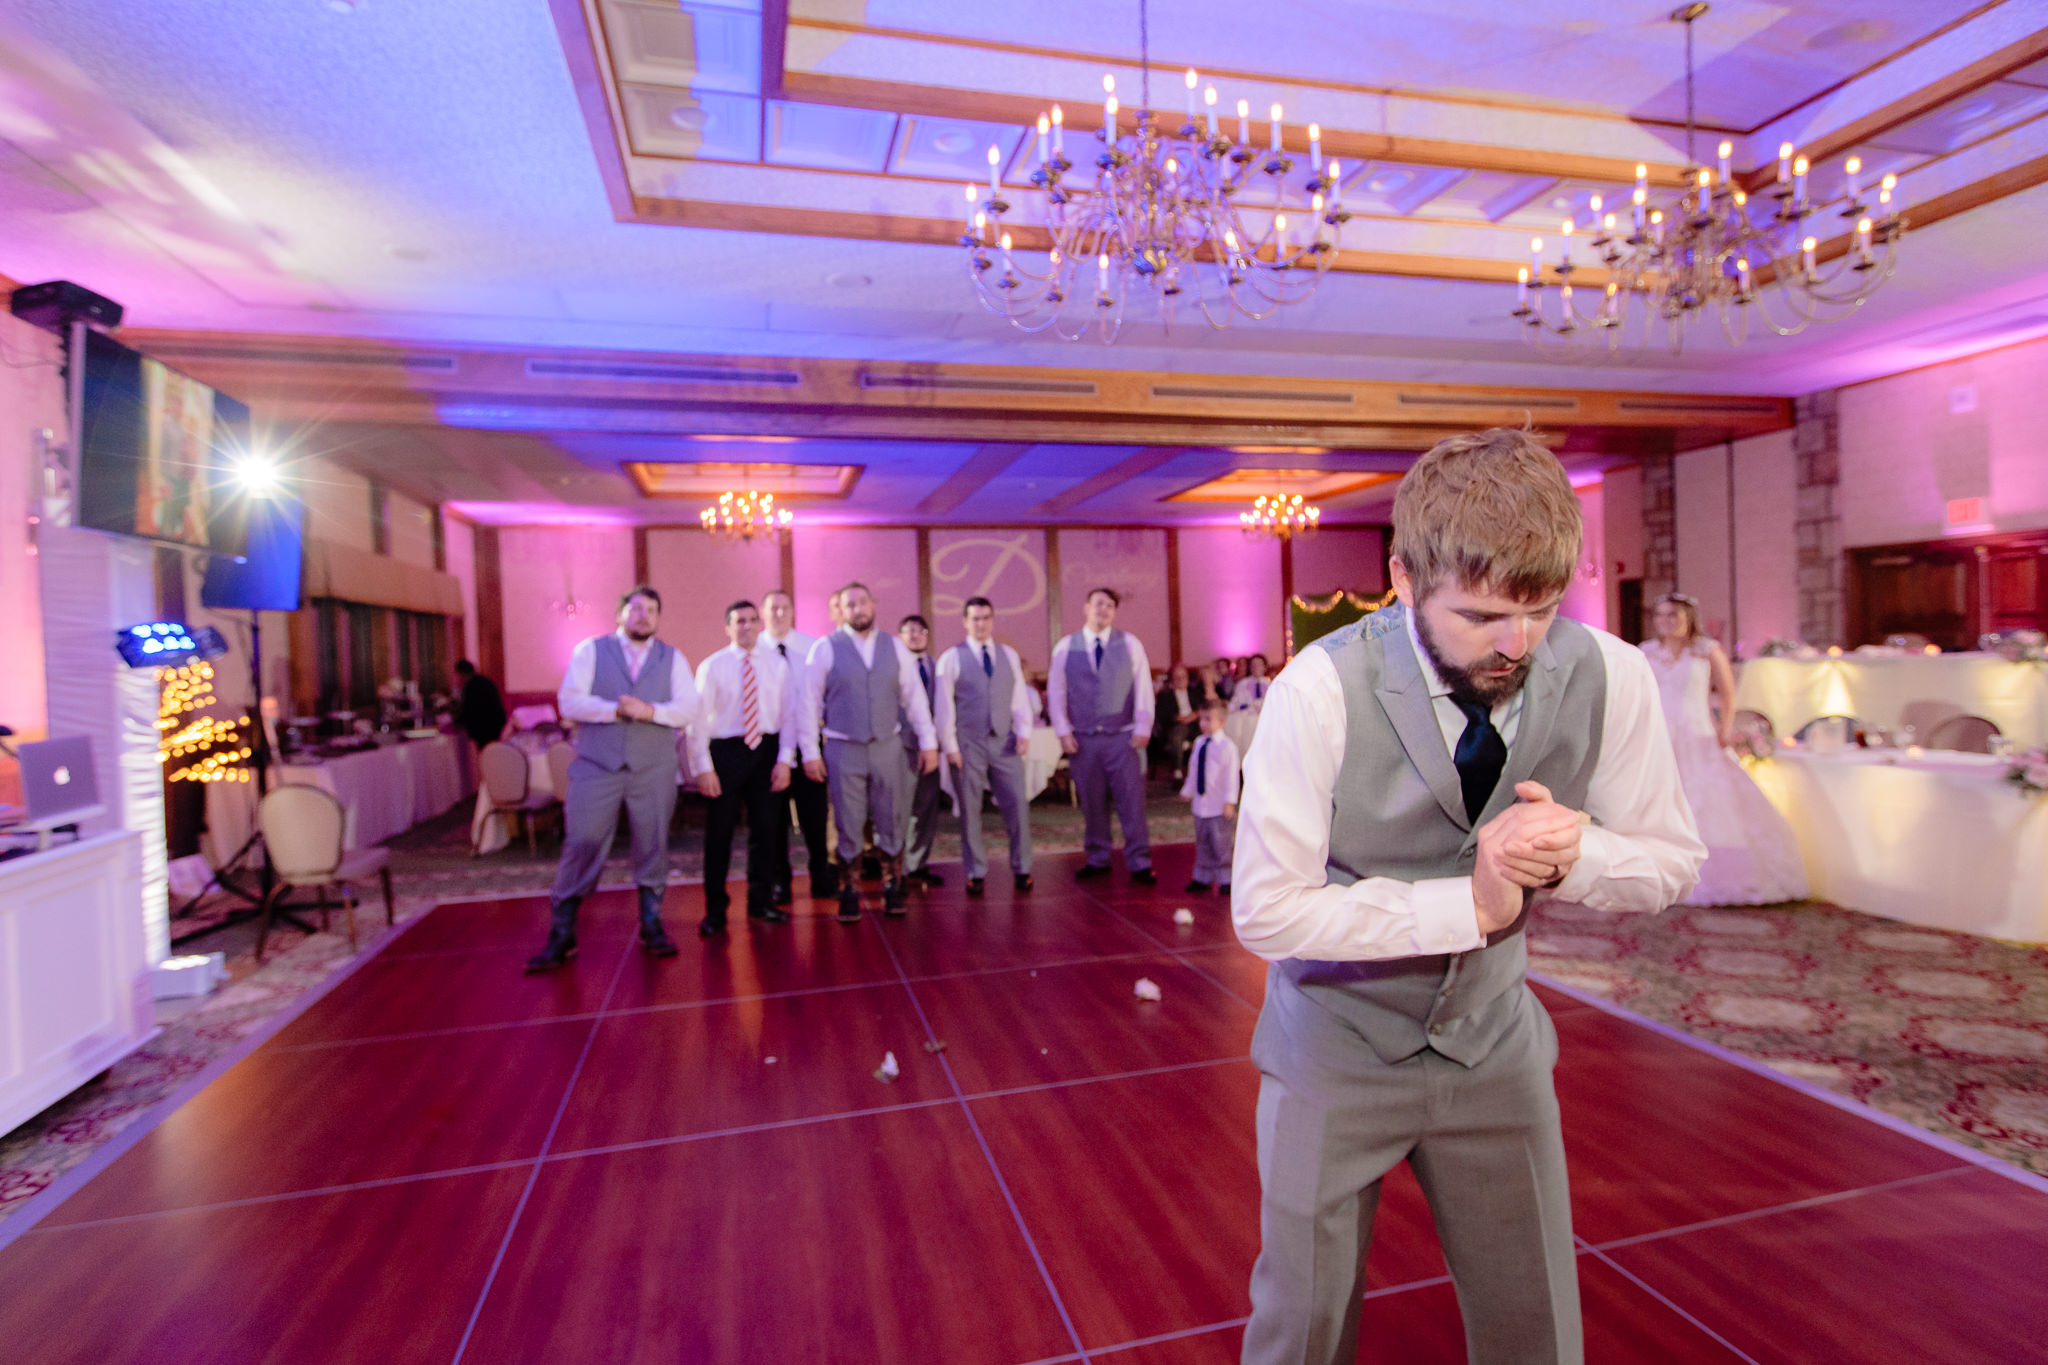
(56, 304)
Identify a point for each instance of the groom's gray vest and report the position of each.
(1100, 702)
(634, 744)
(861, 702)
(1398, 811)
(981, 701)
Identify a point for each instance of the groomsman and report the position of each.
(859, 687)
(791, 644)
(920, 811)
(742, 751)
(1098, 696)
(629, 694)
(985, 731)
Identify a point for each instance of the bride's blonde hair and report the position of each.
(1690, 608)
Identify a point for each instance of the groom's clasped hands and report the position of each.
(1533, 843)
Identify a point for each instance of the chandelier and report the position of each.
(1188, 217)
(742, 516)
(1279, 516)
(1716, 247)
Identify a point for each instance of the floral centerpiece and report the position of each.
(2028, 771)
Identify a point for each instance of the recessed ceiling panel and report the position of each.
(1390, 187)
(826, 137)
(708, 479)
(951, 148)
(1240, 485)
(694, 46)
(715, 127)
(1965, 119)
(1491, 195)
(1573, 199)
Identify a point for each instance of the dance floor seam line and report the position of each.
(533, 1176)
(988, 1154)
(1793, 1206)
(1587, 1249)
(1135, 1342)
(1139, 926)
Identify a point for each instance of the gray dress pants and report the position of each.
(992, 766)
(867, 782)
(919, 812)
(590, 819)
(1107, 768)
(1485, 1146)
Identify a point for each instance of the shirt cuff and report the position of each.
(1446, 921)
(1595, 856)
(674, 716)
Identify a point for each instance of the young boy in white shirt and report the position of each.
(1212, 788)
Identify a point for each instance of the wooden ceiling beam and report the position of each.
(972, 475)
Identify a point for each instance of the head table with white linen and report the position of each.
(383, 791)
(1936, 838)
(1905, 689)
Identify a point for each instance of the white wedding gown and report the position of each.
(1752, 855)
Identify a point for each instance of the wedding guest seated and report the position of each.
(1223, 675)
(1179, 701)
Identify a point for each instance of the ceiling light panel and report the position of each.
(1968, 117)
(693, 46)
(827, 137)
(707, 478)
(1491, 195)
(708, 125)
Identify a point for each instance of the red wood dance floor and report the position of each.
(443, 1160)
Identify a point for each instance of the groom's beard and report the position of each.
(1468, 684)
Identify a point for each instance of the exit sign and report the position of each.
(1965, 514)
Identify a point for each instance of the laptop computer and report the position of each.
(58, 783)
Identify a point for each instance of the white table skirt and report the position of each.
(1041, 760)
(1942, 841)
(384, 792)
(487, 835)
(1916, 690)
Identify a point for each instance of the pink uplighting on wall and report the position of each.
(1229, 596)
(1586, 599)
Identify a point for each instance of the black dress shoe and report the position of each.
(927, 878)
(560, 948)
(780, 895)
(767, 914)
(974, 886)
(710, 926)
(1023, 881)
(825, 882)
(870, 868)
(1145, 876)
(1223, 888)
(655, 942)
(1196, 888)
(1089, 871)
(849, 905)
(895, 903)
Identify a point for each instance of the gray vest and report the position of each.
(981, 702)
(635, 744)
(860, 702)
(931, 704)
(1100, 702)
(1398, 811)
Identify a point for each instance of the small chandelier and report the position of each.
(1712, 248)
(1279, 516)
(742, 516)
(1164, 215)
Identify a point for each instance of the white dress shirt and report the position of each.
(1020, 696)
(795, 647)
(576, 703)
(1220, 777)
(909, 690)
(721, 681)
(1250, 694)
(1142, 700)
(1641, 854)
(1182, 706)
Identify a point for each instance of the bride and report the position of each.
(1752, 856)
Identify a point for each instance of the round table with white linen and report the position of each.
(1889, 691)
(1940, 839)
(383, 791)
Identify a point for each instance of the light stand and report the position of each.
(223, 876)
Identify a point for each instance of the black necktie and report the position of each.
(1481, 754)
(783, 650)
(1098, 655)
(1202, 768)
(924, 673)
(988, 663)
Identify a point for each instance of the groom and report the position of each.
(1419, 780)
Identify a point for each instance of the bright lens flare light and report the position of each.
(257, 476)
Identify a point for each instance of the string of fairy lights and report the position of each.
(193, 745)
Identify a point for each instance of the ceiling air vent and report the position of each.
(1546, 402)
(660, 374)
(1767, 406)
(1206, 394)
(270, 355)
(949, 383)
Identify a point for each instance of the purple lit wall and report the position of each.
(1007, 566)
(1348, 557)
(1621, 528)
(562, 585)
(460, 539)
(827, 557)
(1229, 596)
(1586, 599)
(1131, 561)
(697, 575)
(32, 396)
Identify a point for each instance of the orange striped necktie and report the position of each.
(750, 700)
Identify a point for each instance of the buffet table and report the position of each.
(1917, 690)
(384, 791)
(1941, 839)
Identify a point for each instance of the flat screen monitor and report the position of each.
(156, 451)
(265, 576)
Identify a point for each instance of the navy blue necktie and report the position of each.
(1202, 768)
(924, 673)
(1098, 654)
(783, 650)
(1480, 756)
(988, 663)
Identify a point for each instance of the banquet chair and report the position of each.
(304, 831)
(505, 777)
(1964, 734)
(1856, 729)
(560, 755)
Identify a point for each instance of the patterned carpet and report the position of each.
(1944, 1030)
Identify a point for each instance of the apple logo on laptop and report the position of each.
(62, 777)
